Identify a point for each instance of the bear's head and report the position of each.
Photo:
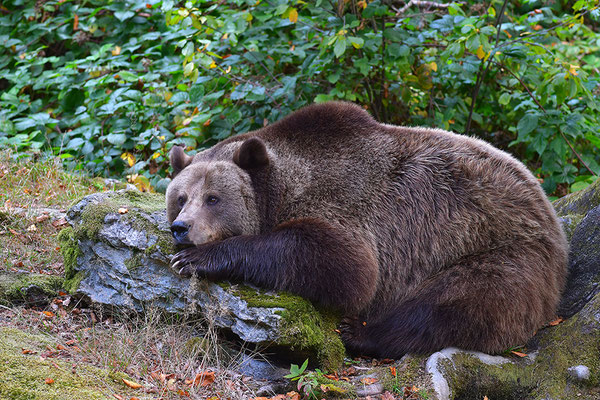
(211, 200)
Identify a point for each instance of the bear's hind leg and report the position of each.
(486, 302)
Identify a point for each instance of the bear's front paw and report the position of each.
(198, 261)
(183, 262)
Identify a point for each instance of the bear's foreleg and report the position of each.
(307, 257)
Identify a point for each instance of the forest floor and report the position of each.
(63, 348)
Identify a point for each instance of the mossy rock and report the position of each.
(24, 376)
(542, 375)
(117, 254)
(579, 203)
(31, 289)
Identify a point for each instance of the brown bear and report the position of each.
(422, 238)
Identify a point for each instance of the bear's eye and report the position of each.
(181, 200)
(212, 200)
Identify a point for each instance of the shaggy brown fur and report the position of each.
(421, 237)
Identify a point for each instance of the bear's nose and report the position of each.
(180, 230)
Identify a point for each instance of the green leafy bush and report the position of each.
(112, 87)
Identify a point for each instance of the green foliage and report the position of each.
(91, 81)
(114, 89)
(308, 382)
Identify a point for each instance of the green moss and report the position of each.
(304, 328)
(69, 249)
(134, 262)
(24, 375)
(17, 288)
(561, 347)
(92, 217)
(335, 389)
(407, 373)
(579, 202)
(570, 222)
(473, 379)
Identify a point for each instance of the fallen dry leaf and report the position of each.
(387, 396)
(393, 371)
(42, 218)
(49, 381)
(48, 314)
(116, 396)
(59, 222)
(556, 322)
(32, 228)
(369, 381)
(518, 353)
(131, 384)
(293, 395)
(204, 378)
(123, 210)
(27, 351)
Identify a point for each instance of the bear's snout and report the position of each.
(180, 231)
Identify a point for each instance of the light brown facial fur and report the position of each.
(214, 200)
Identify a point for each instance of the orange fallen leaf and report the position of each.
(131, 384)
(75, 22)
(293, 395)
(518, 353)
(59, 222)
(42, 218)
(27, 351)
(393, 371)
(116, 396)
(556, 322)
(123, 210)
(49, 381)
(204, 378)
(134, 398)
(60, 347)
(369, 381)
(48, 314)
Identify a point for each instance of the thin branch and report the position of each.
(418, 3)
(483, 71)
(545, 112)
(7, 308)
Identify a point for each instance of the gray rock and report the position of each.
(123, 245)
(369, 390)
(438, 363)
(579, 372)
(584, 265)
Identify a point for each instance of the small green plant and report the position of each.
(307, 381)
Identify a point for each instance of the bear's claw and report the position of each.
(198, 261)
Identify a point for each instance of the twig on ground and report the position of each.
(419, 3)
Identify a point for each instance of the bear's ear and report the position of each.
(251, 154)
(179, 160)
